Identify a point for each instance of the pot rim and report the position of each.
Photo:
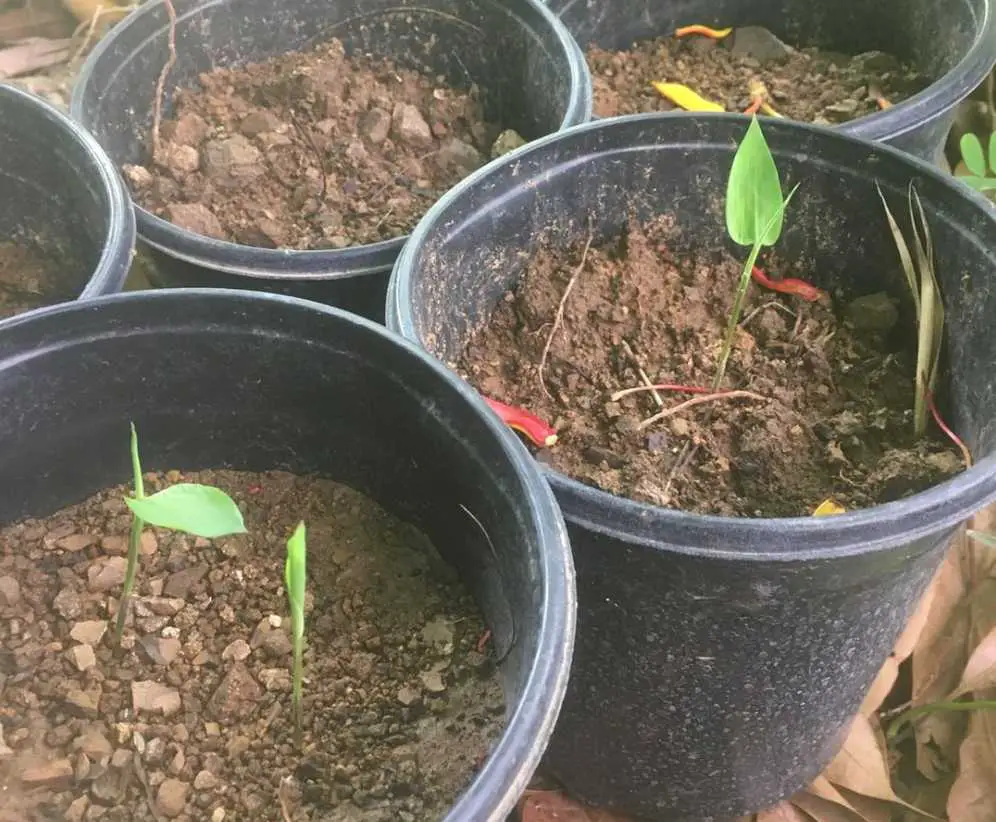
(111, 268)
(310, 264)
(943, 506)
(515, 755)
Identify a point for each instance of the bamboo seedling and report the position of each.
(199, 510)
(296, 581)
(755, 209)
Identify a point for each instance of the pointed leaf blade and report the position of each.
(754, 205)
(199, 510)
(296, 576)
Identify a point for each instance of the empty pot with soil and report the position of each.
(726, 637)
(301, 142)
(67, 230)
(421, 509)
(825, 62)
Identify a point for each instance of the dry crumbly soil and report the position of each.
(834, 386)
(311, 150)
(805, 84)
(26, 278)
(193, 720)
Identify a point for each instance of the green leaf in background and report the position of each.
(295, 577)
(972, 156)
(199, 510)
(992, 152)
(754, 203)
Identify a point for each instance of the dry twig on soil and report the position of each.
(559, 317)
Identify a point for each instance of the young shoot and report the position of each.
(754, 210)
(980, 163)
(922, 281)
(199, 510)
(296, 581)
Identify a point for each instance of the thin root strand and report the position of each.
(714, 397)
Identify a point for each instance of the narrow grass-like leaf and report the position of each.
(195, 509)
(921, 278)
(296, 581)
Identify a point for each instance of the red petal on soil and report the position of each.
(254, 489)
(538, 432)
(553, 806)
(482, 643)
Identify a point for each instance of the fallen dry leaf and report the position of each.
(823, 810)
(31, 55)
(973, 794)
(783, 812)
(554, 806)
(861, 766)
(939, 658)
(874, 810)
(881, 687)
(980, 670)
(822, 788)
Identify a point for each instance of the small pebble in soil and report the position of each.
(315, 149)
(192, 720)
(806, 84)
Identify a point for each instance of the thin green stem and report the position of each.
(920, 710)
(298, 665)
(134, 540)
(735, 312)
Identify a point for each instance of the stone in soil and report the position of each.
(806, 84)
(193, 718)
(316, 149)
(833, 420)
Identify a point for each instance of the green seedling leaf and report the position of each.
(972, 155)
(992, 152)
(296, 580)
(295, 576)
(754, 202)
(199, 510)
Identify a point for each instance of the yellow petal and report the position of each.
(827, 508)
(684, 97)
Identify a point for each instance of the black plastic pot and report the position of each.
(60, 191)
(719, 661)
(953, 40)
(259, 382)
(518, 53)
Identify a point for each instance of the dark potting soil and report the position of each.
(193, 721)
(806, 84)
(828, 416)
(312, 149)
(27, 275)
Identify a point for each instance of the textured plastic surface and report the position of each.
(259, 382)
(516, 51)
(59, 189)
(952, 40)
(718, 661)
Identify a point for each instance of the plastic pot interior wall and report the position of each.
(60, 192)
(719, 661)
(257, 382)
(520, 56)
(953, 41)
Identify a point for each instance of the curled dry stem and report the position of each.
(704, 398)
(157, 104)
(559, 317)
